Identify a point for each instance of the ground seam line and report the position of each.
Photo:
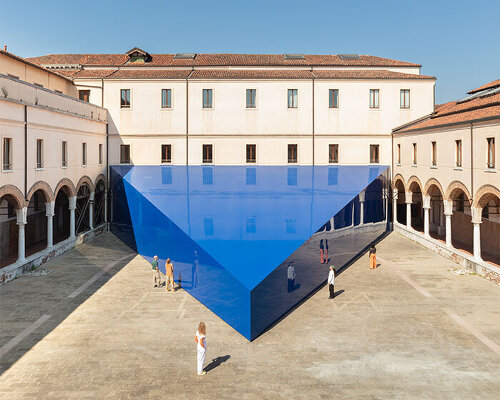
(98, 275)
(14, 341)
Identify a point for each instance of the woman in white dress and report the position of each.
(201, 347)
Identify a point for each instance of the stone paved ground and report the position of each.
(408, 330)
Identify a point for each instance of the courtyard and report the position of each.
(94, 327)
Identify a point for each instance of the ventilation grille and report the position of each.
(294, 57)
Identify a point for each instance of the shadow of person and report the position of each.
(216, 362)
(378, 265)
(338, 292)
(296, 286)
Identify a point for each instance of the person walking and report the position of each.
(291, 277)
(331, 281)
(201, 347)
(169, 276)
(373, 257)
(156, 272)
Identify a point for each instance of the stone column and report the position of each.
(21, 242)
(476, 221)
(409, 198)
(49, 213)
(395, 205)
(72, 208)
(385, 197)
(448, 212)
(106, 206)
(361, 208)
(426, 206)
(477, 240)
(91, 210)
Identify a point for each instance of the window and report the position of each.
(434, 153)
(333, 98)
(251, 93)
(404, 101)
(398, 160)
(374, 95)
(491, 152)
(333, 153)
(207, 153)
(7, 154)
(100, 153)
(458, 153)
(293, 97)
(374, 153)
(39, 153)
(208, 226)
(84, 95)
(84, 153)
(166, 153)
(124, 154)
(124, 98)
(414, 156)
(64, 153)
(166, 98)
(207, 98)
(251, 225)
(292, 153)
(251, 150)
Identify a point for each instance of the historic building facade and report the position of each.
(447, 180)
(53, 171)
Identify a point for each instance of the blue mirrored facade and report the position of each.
(237, 234)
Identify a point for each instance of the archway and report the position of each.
(417, 211)
(489, 203)
(61, 221)
(11, 200)
(8, 231)
(437, 227)
(99, 199)
(374, 210)
(36, 222)
(401, 201)
(82, 208)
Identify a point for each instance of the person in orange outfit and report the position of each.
(373, 258)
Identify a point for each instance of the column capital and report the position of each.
(361, 196)
(448, 207)
(49, 209)
(476, 215)
(72, 203)
(92, 196)
(426, 201)
(395, 194)
(21, 215)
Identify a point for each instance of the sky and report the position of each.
(456, 41)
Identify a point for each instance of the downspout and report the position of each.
(187, 115)
(313, 161)
(471, 165)
(108, 197)
(26, 151)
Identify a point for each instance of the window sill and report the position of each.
(378, 162)
(458, 169)
(490, 170)
(414, 165)
(7, 171)
(251, 108)
(166, 162)
(398, 165)
(39, 169)
(207, 109)
(434, 167)
(125, 108)
(64, 166)
(166, 108)
(84, 165)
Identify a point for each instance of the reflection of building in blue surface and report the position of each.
(237, 235)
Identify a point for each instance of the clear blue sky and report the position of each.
(456, 41)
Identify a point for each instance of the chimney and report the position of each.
(5, 48)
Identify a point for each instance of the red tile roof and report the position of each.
(487, 86)
(457, 113)
(220, 60)
(32, 64)
(366, 74)
(148, 73)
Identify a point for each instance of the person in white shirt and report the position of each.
(331, 281)
(291, 277)
(201, 347)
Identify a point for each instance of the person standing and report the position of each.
(201, 347)
(194, 269)
(373, 258)
(321, 252)
(169, 276)
(331, 281)
(291, 277)
(156, 272)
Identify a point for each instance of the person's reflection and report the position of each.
(321, 252)
(194, 269)
(291, 277)
(326, 251)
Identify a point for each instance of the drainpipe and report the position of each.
(26, 151)
(187, 115)
(107, 191)
(313, 161)
(471, 164)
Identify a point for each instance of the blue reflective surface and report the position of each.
(232, 231)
